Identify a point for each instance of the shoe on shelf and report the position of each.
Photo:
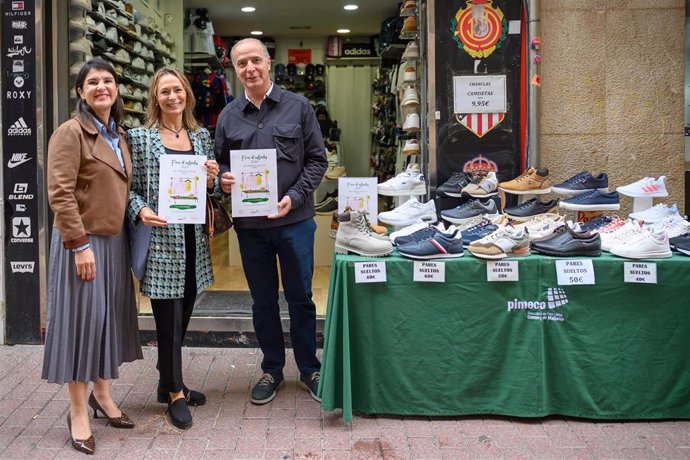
(592, 201)
(193, 397)
(116, 422)
(409, 74)
(327, 206)
(596, 223)
(680, 239)
(180, 416)
(310, 382)
(334, 172)
(408, 8)
(504, 242)
(440, 246)
(454, 185)
(411, 52)
(478, 231)
(81, 45)
(581, 183)
(85, 446)
(410, 212)
(617, 233)
(568, 240)
(656, 213)
(409, 182)
(266, 388)
(648, 244)
(471, 209)
(411, 148)
(647, 186)
(408, 230)
(534, 181)
(355, 234)
(83, 4)
(411, 122)
(532, 208)
(488, 186)
(673, 226)
(410, 98)
(542, 227)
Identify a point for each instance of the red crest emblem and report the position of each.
(479, 28)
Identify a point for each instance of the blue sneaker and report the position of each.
(441, 245)
(581, 183)
(472, 208)
(478, 232)
(596, 223)
(593, 201)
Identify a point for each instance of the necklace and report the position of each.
(177, 132)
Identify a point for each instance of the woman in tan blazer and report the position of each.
(91, 324)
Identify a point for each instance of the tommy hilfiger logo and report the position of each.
(19, 128)
(17, 159)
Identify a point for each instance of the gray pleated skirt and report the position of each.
(91, 327)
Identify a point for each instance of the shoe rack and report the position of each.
(136, 46)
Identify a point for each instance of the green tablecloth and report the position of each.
(613, 350)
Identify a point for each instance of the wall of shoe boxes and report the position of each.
(135, 44)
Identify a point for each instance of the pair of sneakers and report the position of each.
(268, 385)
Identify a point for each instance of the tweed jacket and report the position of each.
(87, 187)
(165, 268)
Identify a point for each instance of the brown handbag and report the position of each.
(218, 220)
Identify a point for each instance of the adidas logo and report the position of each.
(17, 159)
(19, 128)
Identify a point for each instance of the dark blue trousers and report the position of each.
(293, 245)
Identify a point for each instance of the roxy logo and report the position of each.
(22, 267)
(19, 128)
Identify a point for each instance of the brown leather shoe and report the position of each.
(118, 422)
(87, 446)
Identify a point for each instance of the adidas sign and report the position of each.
(358, 52)
(19, 128)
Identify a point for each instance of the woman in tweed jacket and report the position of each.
(179, 261)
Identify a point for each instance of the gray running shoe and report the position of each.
(469, 210)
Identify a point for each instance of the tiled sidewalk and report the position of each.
(32, 422)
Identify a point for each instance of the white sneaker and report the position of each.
(647, 244)
(410, 74)
(542, 226)
(82, 45)
(409, 182)
(334, 172)
(411, 147)
(410, 212)
(487, 187)
(411, 52)
(647, 186)
(506, 241)
(410, 98)
(628, 231)
(656, 213)
(411, 122)
(78, 24)
(673, 226)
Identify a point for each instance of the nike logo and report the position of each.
(17, 159)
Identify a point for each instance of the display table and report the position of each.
(612, 350)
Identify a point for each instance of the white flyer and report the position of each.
(255, 191)
(182, 189)
(359, 193)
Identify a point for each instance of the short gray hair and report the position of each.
(245, 40)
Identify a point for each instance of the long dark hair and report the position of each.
(84, 112)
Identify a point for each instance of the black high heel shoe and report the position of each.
(118, 422)
(86, 446)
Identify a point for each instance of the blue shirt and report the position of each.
(113, 139)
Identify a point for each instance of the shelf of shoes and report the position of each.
(384, 112)
(135, 48)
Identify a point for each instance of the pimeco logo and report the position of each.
(538, 309)
(19, 128)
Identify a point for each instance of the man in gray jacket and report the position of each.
(268, 117)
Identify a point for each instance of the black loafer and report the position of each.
(179, 414)
(193, 397)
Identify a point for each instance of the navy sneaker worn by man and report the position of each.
(265, 389)
(581, 183)
(454, 185)
(311, 384)
(593, 201)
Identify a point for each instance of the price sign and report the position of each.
(504, 270)
(639, 272)
(433, 272)
(573, 272)
(370, 272)
(479, 94)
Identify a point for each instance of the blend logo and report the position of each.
(538, 309)
(19, 128)
(21, 230)
(22, 267)
(20, 192)
(18, 159)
